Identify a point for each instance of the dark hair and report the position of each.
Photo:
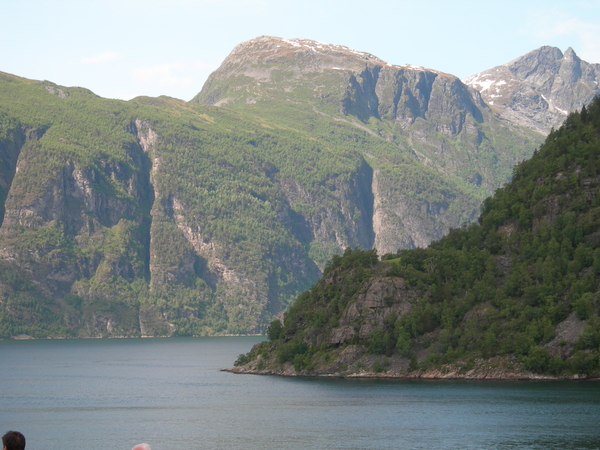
(13, 440)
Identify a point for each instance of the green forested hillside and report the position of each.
(160, 217)
(515, 295)
(99, 196)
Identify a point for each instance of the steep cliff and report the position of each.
(75, 225)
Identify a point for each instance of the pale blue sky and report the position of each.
(125, 48)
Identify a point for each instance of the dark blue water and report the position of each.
(113, 394)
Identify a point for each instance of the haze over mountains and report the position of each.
(160, 217)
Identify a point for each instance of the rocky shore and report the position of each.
(484, 370)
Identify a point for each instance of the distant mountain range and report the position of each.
(163, 217)
(539, 89)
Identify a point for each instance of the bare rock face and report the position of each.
(402, 220)
(566, 334)
(11, 147)
(381, 296)
(539, 89)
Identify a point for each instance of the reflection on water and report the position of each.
(112, 394)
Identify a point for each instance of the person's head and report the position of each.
(141, 447)
(13, 440)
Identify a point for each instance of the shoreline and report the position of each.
(430, 374)
(25, 337)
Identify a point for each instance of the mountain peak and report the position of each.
(258, 57)
(269, 48)
(570, 54)
(539, 60)
(259, 61)
(540, 88)
(271, 45)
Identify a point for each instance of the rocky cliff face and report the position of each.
(539, 89)
(346, 222)
(55, 224)
(403, 220)
(11, 146)
(429, 118)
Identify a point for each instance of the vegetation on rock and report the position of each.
(515, 295)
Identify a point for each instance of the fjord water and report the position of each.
(170, 393)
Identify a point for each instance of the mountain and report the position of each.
(540, 88)
(427, 118)
(160, 217)
(512, 296)
(157, 217)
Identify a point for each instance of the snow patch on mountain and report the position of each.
(481, 81)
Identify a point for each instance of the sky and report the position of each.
(126, 48)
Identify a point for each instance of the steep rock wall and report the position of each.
(344, 222)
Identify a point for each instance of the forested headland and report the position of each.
(512, 296)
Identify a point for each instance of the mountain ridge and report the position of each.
(540, 88)
(159, 217)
